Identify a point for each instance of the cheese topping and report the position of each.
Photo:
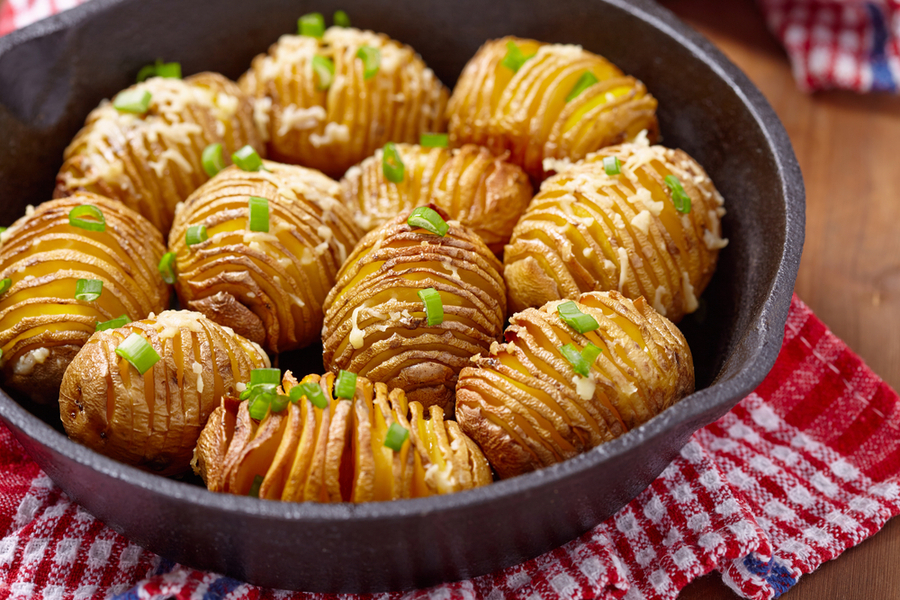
(641, 222)
(294, 117)
(26, 363)
(623, 267)
(584, 387)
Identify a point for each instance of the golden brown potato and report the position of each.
(42, 324)
(268, 286)
(337, 453)
(333, 127)
(587, 230)
(375, 321)
(472, 186)
(153, 421)
(527, 407)
(530, 111)
(152, 161)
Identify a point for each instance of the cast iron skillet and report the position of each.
(54, 72)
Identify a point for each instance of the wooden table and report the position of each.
(849, 150)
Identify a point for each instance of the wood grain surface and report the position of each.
(848, 146)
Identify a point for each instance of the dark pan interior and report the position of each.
(53, 73)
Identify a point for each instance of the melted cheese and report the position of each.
(584, 387)
(334, 133)
(623, 267)
(690, 300)
(641, 222)
(294, 117)
(26, 363)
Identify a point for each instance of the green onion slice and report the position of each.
(213, 159)
(259, 214)
(586, 80)
(258, 376)
(434, 140)
(195, 234)
(279, 403)
(132, 101)
(612, 165)
(428, 219)
(254, 487)
(396, 436)
(139, 352)
(312, 392)
(261, 397)
(579, 365)
(680, 198)
(170, 70)
(166, 267)
(341, 19)
(590, 353)
(113, 323)
(514, 58)
(574, 318)
(5, 284)
(434, 307)
(345, 386)
(391, 164)
(324, 70)
(311, 25)
(96, 222)
(247, 159)
(88, 289)
(371, 58)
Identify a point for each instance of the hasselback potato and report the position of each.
(527, 406)
(43, 258)
(340, 452)
(268, 286)
(152, 420)
(149, 156)
(376, 322)
(471, 185)
(333, 121)
(546, 101)
(652, 230)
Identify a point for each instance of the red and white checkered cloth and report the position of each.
(802, 469)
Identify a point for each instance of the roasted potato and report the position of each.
(529, 98)
(268, 286)
(471, 185)
(588, 230)
(375, 321)
(337, 453)
(43, 257)
(151, 160)
(331, 122)
(527, 407)
(152, 421)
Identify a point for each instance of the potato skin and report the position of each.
(152, 162)
(375, 322)
(526, 113)
(42, 325)
(153, 421)
(527, 408)
(333, 129)
(269, 287)
(586, 230)
(471, 185)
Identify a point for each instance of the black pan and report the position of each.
(54, 72)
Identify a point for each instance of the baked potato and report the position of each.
(267, 284)
(48, 266)
(652, 230)
(528, 405)
(118, 402)
(147, 149)
(329, 102)
(345, 451)
(376, 317)
(546, 101)
(481, 191)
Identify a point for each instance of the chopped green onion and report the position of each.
(680, 198)
(396, 437)
(590, 353)
(324, 70)
(138, 351)
(574, 318)
(313, 393)
(170, 70)
(434, 140)
(2, 229)
(391, 164)
(371, 58)
(213, 160)
(261, 397)
(345, 385)
(279, 403)
(434, 308)
(88, 289)
(341, 19)
(132, 101)
(611, 165)
(514, 58)
(166, 267)
(254, 487)
(586, 80)
(5, 284)
(258, 376)
(247, 159)
(311, 25)
(259, 214)
(195, 234)
(579, 365)
(428, 219)
(97, 222)
(113, 323)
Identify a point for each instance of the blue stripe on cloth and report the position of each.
(131, 594)
(775, 574)
(882, 79)
(220, 588)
